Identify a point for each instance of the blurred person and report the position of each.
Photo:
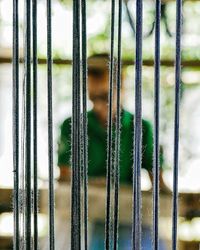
(98, 89)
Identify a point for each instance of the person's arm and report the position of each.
(65, 174)
(64, 151)
(163, 187)
(147, 162)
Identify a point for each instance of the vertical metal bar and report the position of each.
(76, 193)
(176, 121)
(109, 131)
(84, 124)
(35, 172)
(23, 170)
(156, 162)
(118, 126)
(16, 123)
(28, 127)
(138, 130)
(50, 129)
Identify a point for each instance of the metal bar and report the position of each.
(16, 123)
(76, 116)
(84, 123)
(35, 141)
(50, 129)
(137, 130)
(117, 137)
(28, 126)
(156, 162)
(176, 122)
(109, 132)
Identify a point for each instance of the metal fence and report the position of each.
(24, 202)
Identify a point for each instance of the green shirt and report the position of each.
(97, 145)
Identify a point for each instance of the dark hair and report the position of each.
(98, 65)
(97, 73)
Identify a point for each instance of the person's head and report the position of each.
(98, 84)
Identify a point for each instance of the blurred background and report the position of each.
(98, 25)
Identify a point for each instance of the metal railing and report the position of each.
(79, 127)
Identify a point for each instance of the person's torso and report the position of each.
(97, 146)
